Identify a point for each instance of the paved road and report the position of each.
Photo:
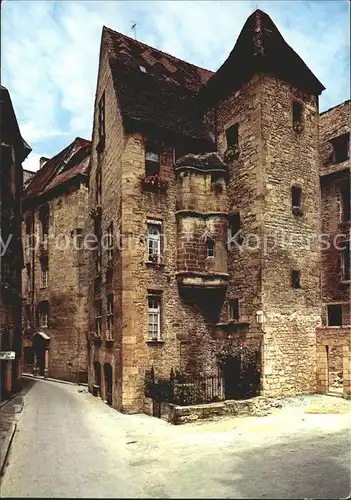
(69, 444)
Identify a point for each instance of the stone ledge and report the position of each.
(258, 406)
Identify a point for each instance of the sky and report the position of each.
(50, 51)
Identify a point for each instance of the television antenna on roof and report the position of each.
(133, 28)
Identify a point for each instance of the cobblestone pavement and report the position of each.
(69, 444)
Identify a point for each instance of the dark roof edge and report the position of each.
(48, 194)
(336, 106)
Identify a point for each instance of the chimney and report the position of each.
(42, 161)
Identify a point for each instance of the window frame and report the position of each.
(152, 313)
(232, 136)
(336, 142)
(109, 315)
(109, 249)
(296, 279)
(44, 275)
(345, 277)
(232, 301)
(152, 163)
(158, 226)
(329, 307)
(98, 317)
(210, 248)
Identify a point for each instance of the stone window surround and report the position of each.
(341, 192)
(296, 279)
(43, 314)
(329, 314)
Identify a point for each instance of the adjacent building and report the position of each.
(205, 194)
(14, 150)
(55, 281)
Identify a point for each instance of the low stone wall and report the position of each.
(259, 406)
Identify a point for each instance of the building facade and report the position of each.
(55, 277)
(205, 189)
(14, 151)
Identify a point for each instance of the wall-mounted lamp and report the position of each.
(260, 317)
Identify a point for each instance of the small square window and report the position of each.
(234, 309)
(232, 136)
(334, 314)
(296, 278)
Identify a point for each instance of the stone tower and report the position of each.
(263, 106)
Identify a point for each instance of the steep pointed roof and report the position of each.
(154, 87)
(69, 163)
(261, 48)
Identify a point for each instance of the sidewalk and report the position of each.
(9, 414)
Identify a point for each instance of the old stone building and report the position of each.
(14, 150)
(55, 273)
(333, 338)
(205, 197)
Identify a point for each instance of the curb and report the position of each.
(7, 447)
(4, 403)
(29, 375)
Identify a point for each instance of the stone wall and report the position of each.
(259, 406)
(333, 176)
(101, 283)
(67, 286)
(329, 338)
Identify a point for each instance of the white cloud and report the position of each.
(50, 51)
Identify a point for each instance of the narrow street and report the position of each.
(70, 444)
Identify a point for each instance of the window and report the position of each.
(28, 316)
(296, 278)
(28, 278)
(101, 122)
(234, 309)
(334, 314)
(232, 136)
(234, 230)
(341, 146)
(296, 195)
(154, 229)
(297, 116)
(43, 314)
(98, 257)
(43, 276)
(152, 162)
(98, 187)
(110, 315)
(98, 317)
(44, 223)
(345, 201)
(345, 262)
(110, 242)
(154, 317)
(210, 247)
(28, 233)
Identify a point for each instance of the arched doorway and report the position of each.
(40, 346)
(97, 379)
(108, 383)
